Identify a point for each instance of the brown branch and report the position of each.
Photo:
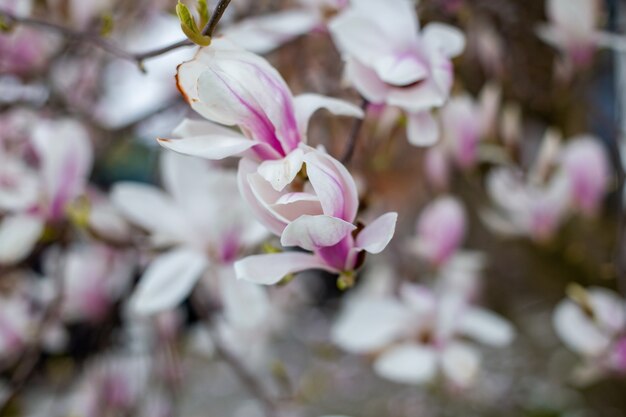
(108, 46)
(354, 135)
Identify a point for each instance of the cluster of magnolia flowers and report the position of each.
(199, 238)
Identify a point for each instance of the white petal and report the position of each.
(375, 237)
(18, 235)
(367, 324)
(264, 33)
(271, 268)
(307, 104)
(460, 363)
(578, 331)
(312, 232)
(168, 280)
(149, 208)
(195, 127)
(400, 70)
(422, 129)
(208, 146)
(486, 327)
(281, 172)
(449, 40)
(245, 304)
(407, 364)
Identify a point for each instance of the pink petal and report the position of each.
(313, 232)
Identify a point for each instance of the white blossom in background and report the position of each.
(390, 60)
(40, 192)
(420, 335)
(591, 323)
(200, 221)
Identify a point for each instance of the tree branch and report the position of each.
(354, 136)
(108, 46)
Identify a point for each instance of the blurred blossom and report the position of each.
(441, 229)
(130, 95)
(586, 165)
(465, 122)
(591, 323)
(437, 168)
(388, 60)
(572, 28)
(262, 34)
(420, 335)
(40, 183)
(81, 14)
(201, 220)
(523, 208)
(94, 278)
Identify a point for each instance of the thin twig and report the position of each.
(247, 379)
(110, 47)
(354, 135)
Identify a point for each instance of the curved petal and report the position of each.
(313, 232)
(307, 104)
(368, 324)
(447, 39)
(208, 146)
(18, 236)
(407, 364)
(168, 281)
(422, 129)
(333, 184)
(375, 237)
(460, 363)
(486, 327)
(149, 208)
(271, 268)
(281, 172)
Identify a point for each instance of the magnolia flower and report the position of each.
(572, 28)
(591, 323)
(420, 335)
(524, 208)
(216, 84)
(390, 61)
(63, 154)
(316, 215)
(441, 229)
(201, 220)
(586, 166)
(94, 277)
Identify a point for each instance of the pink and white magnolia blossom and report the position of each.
(94, 278)
(572, 28)
(217, 84)
(591, 323)
(317, 214)
(441, 229)
(586, 165)
(420, 335)
(523, 207)
(389, 60)
(40, 182)
(200, 220)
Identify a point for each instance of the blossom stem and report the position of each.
(354, 136)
